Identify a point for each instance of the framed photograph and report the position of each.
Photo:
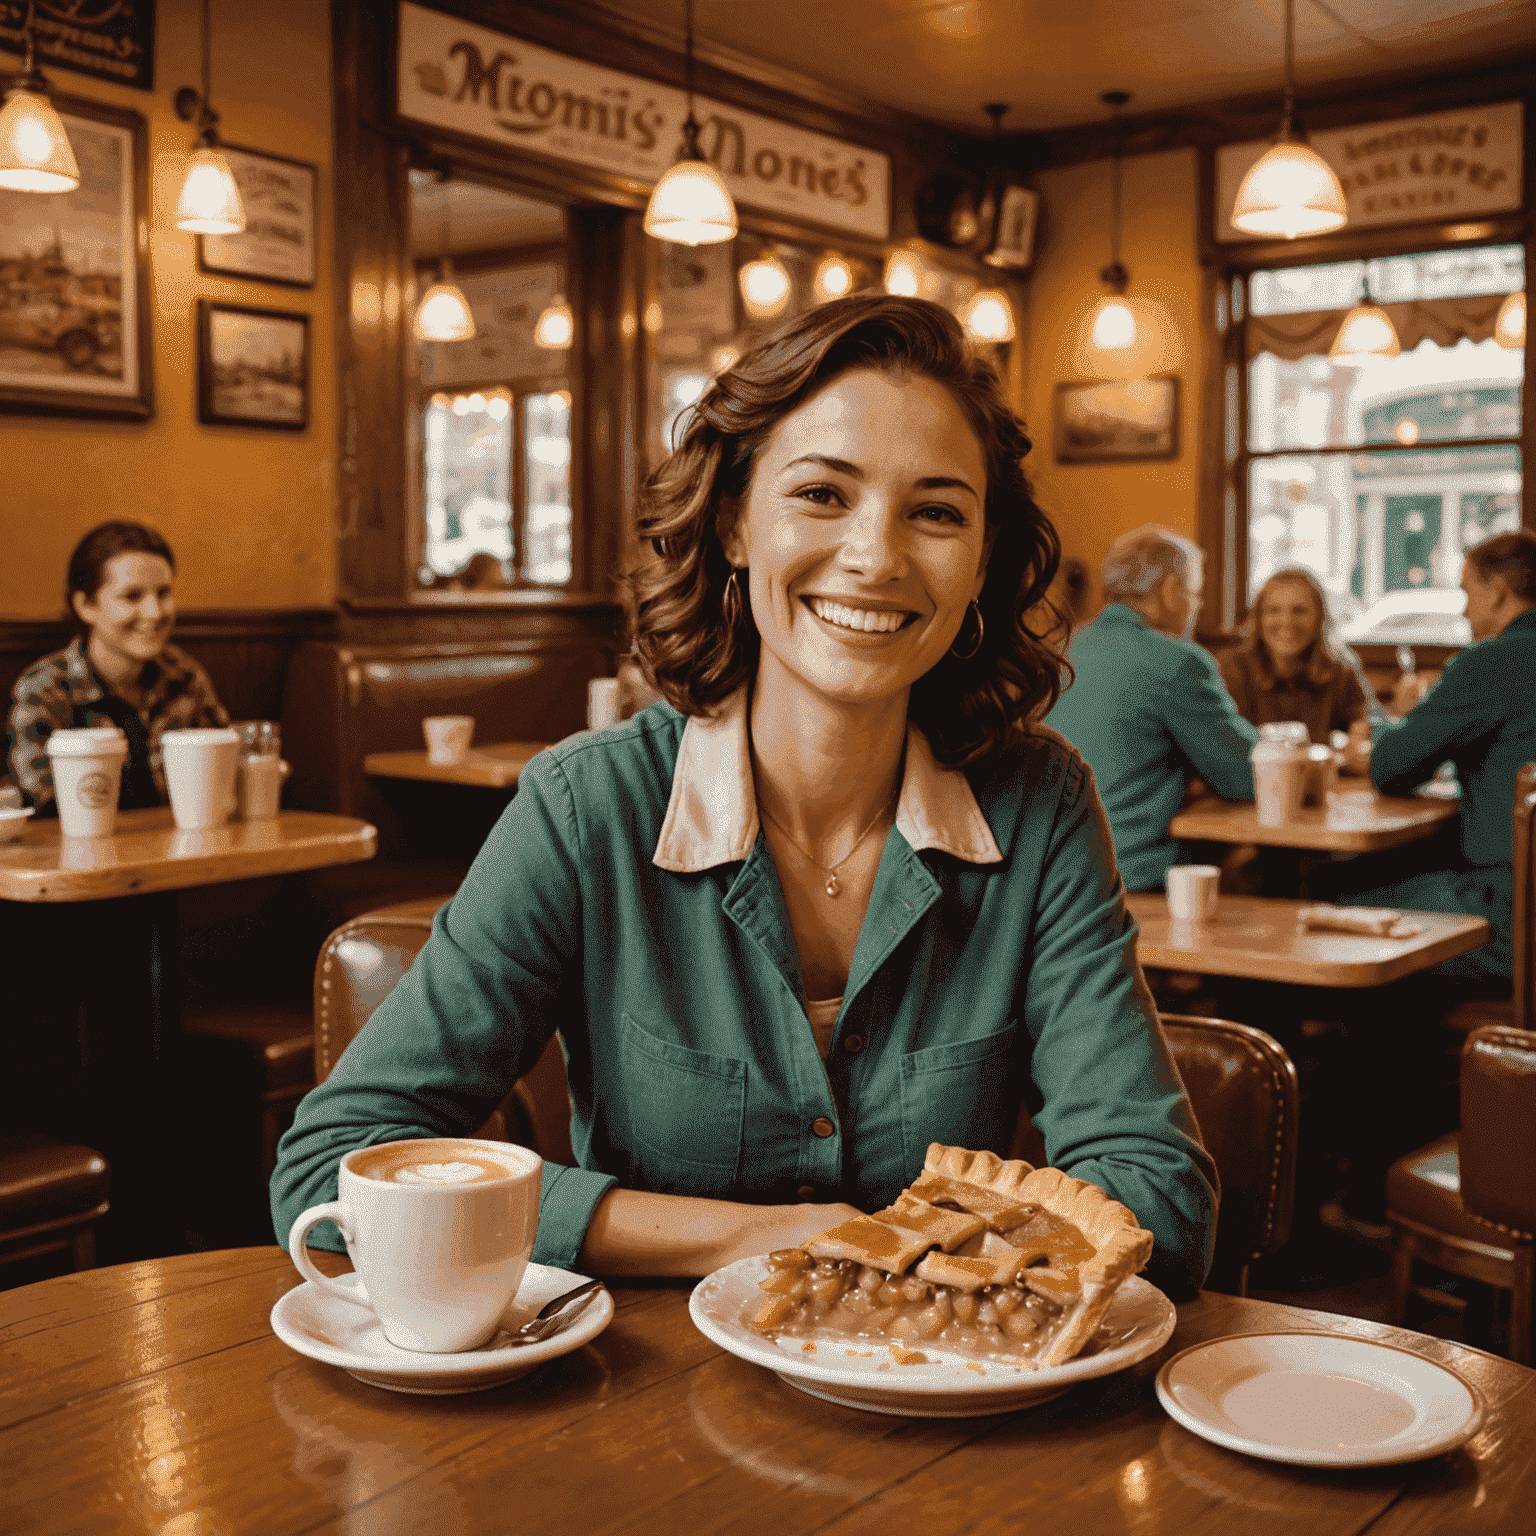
(277, 244)
(252, 367)
(1013, 239)
(74, 277)
(1116, 420)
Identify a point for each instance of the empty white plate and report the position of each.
(1319, 1399)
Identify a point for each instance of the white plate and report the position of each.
(1140, 1321)
(1319, 1399)
(346, 1333)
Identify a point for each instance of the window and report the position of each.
(1378, 477)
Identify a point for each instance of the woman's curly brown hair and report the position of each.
(969, 709)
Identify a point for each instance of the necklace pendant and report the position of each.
(833, 888)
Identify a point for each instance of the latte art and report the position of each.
(436, 1163)
(444, 1173)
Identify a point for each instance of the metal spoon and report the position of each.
(557, 1313)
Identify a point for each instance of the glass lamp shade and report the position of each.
(443, 314)
(1509, 327)
(691, 205)
(35, 154)
(1367, 333)
(1114, 325)
(834, 277)
(555, 327)
(765, 287)
(1291, 191)
(903, 274)
(988, 316)
(210, 201)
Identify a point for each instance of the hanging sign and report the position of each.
(1449, 165)
(111, 39)
(453, 74)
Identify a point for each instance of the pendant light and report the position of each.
(443, 314)
(765, 286)
(834, 277)
(1509, 327)
(903, 274)
(691, 204)
(1114, 326)
(1366, 334)
(210, 201)
(35, 154)
(988, 317)
(1292, 190)
(556, 327)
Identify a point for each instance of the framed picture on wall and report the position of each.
(1113, 421)
(1013, 237)
(74, 277)
(277, 244)
(252, 367)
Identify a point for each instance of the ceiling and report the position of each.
(1050, 59)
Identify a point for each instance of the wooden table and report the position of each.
(147, 853)
(154, 1397)
(1257, 937)
(1353, 821)
(498, 766)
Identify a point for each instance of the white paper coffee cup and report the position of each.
(1279, 781)
(200, 768)
(261, 786)
(87, 766)
(1193, 891)
(448, 737)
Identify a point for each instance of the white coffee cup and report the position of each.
(603, 703)
(87, 766)
(261, 786)
(448, 737)
(1279, 780)
(440, 1229)
(200, 767)
(1193, 890)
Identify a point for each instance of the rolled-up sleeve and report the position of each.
(499, 973)
(1112, 1106)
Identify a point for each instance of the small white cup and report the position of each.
(87, 769)
(1193, 891)
(603, 703)
(448, 737)
(261, 786)
(200, 769)
(1279, 781)
(441, 1259)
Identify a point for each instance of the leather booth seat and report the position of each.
(51, 1194)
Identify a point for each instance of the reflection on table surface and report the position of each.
(1352, 821)
(498, 765)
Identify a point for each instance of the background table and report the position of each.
(155, 1397)
(493, 767)
(1257, 937)
(1353, 821)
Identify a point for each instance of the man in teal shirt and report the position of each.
(1482, 717)
(1147, 707)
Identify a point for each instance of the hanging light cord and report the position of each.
(29, 64)
(1115, 274)
(690, 123)
(1288, 112)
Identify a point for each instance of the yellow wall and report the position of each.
(248, 512)
(1092, 503)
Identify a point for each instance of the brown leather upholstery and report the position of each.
(51, 1192)
(1498, 1129)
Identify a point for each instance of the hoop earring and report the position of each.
(981, 630)
(730, 602)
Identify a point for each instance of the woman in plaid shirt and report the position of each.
(119, 670)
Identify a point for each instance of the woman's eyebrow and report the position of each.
(852, 470)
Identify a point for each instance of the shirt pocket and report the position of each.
(686, 1113)
(964, 1094)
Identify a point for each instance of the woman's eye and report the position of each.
(820, 495)
(940, 512)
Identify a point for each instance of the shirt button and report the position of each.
(822, 1126)
(853, 1044)
(806, 1191)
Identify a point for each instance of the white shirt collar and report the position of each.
(712, 815)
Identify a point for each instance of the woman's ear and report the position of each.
(988, 540)
(83, 607)
(728, 531)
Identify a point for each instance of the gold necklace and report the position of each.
(833, 887)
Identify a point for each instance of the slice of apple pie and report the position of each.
(991, 1259)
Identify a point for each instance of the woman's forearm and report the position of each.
(633, 1232)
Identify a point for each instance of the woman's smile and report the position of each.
(856, 620)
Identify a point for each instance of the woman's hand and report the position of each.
(633, 1232)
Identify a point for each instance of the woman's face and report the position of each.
(864, 530)
(1288, 620)
(131, 614)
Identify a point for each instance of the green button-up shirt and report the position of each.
(628, 900)
(1148, 712)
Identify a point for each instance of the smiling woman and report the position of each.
(839, 896)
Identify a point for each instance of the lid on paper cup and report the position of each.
(202, 736)
(87, 741)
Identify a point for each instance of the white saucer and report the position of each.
(346, 1333)
(1319, 1399)
(944, 1386)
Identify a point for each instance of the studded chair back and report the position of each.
(1525, 899)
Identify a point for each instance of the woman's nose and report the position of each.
(873, 545)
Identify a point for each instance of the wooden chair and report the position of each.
(52, 1194)
(1242, 1084)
